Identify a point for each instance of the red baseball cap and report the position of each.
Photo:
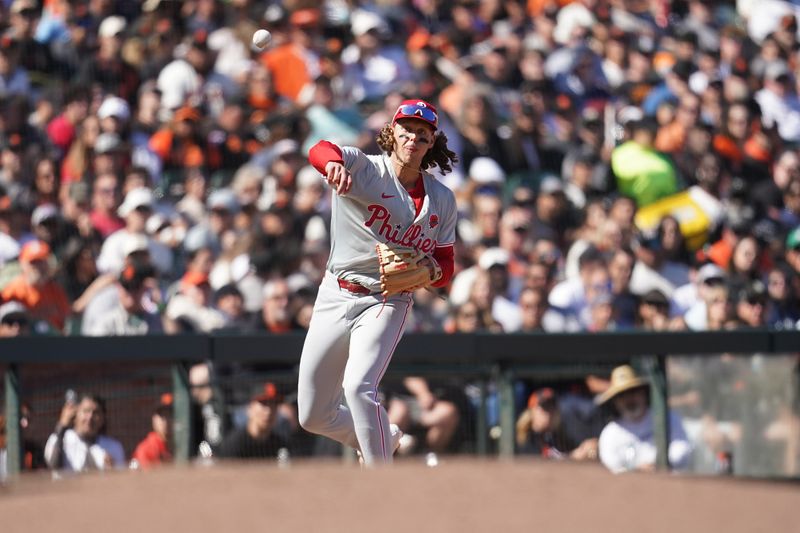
(419, 109)
(267, 393)
(34, 251)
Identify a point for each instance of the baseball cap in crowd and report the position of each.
(551, 185)
(305, 17)
(138, 197)
(793, 239)
(194, 278)
(544, 398)
(419, 109)
(134, 243)
(655, 297)
(224, 199)
(133, 276)
(11, 310)
(198, 237)
(114, 106)
(486, 171)
(494, 256)
(299, 282)
(753, 292)
(112, 26)
(34, 251)
(275, 14)
(710, 273)
(267, 393)
(363, 21)
(43, 213)
(229, 289)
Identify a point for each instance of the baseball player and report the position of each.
(392, 231)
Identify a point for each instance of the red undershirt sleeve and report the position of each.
(323, 153)
(445, 257)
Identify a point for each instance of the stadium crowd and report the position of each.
(622, 163)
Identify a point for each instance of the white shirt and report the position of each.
(80, 455)
(201, 318)
(568, 298)
(624, 446)
(9, 248)
(784, 112)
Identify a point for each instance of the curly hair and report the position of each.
(439, 154)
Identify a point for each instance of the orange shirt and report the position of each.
(152, 451)
(49, 302)
(288, 69)
(670, 138)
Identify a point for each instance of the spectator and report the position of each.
(783, 311)
(79, 443)
(654, 311)
(751, 305)
(210, 422)
(137, 310)
(229, 300)
(643, 173)
(569, 297)
(259, 438)
(779, 102)
(294, 65)
(105, 194)
(14, 320)
(533, 310)
(691, 299)
(372, 64)
(626, 443)
(276, 314)
(106, 67)
(190, 310)
(62, 129)
(556, 427)
(154, 449)
(36, 289)
(135, 210)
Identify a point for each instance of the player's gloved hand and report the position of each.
(405, 269)
(338, 177)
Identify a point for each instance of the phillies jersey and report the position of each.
(379, 209)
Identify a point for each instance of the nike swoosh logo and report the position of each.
(384, 195)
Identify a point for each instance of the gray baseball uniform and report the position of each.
(353, 335)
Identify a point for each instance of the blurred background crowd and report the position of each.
(622, 163)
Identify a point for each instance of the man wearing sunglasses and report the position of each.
(385, 199)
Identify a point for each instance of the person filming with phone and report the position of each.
(78, 442)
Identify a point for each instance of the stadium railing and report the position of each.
(496, 361)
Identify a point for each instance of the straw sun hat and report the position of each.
(623, 378)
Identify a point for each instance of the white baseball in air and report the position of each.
(261, 38)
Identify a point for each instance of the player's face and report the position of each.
(412, 138)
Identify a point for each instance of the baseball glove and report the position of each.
(401, 269)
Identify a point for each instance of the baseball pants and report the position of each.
(350, 341)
